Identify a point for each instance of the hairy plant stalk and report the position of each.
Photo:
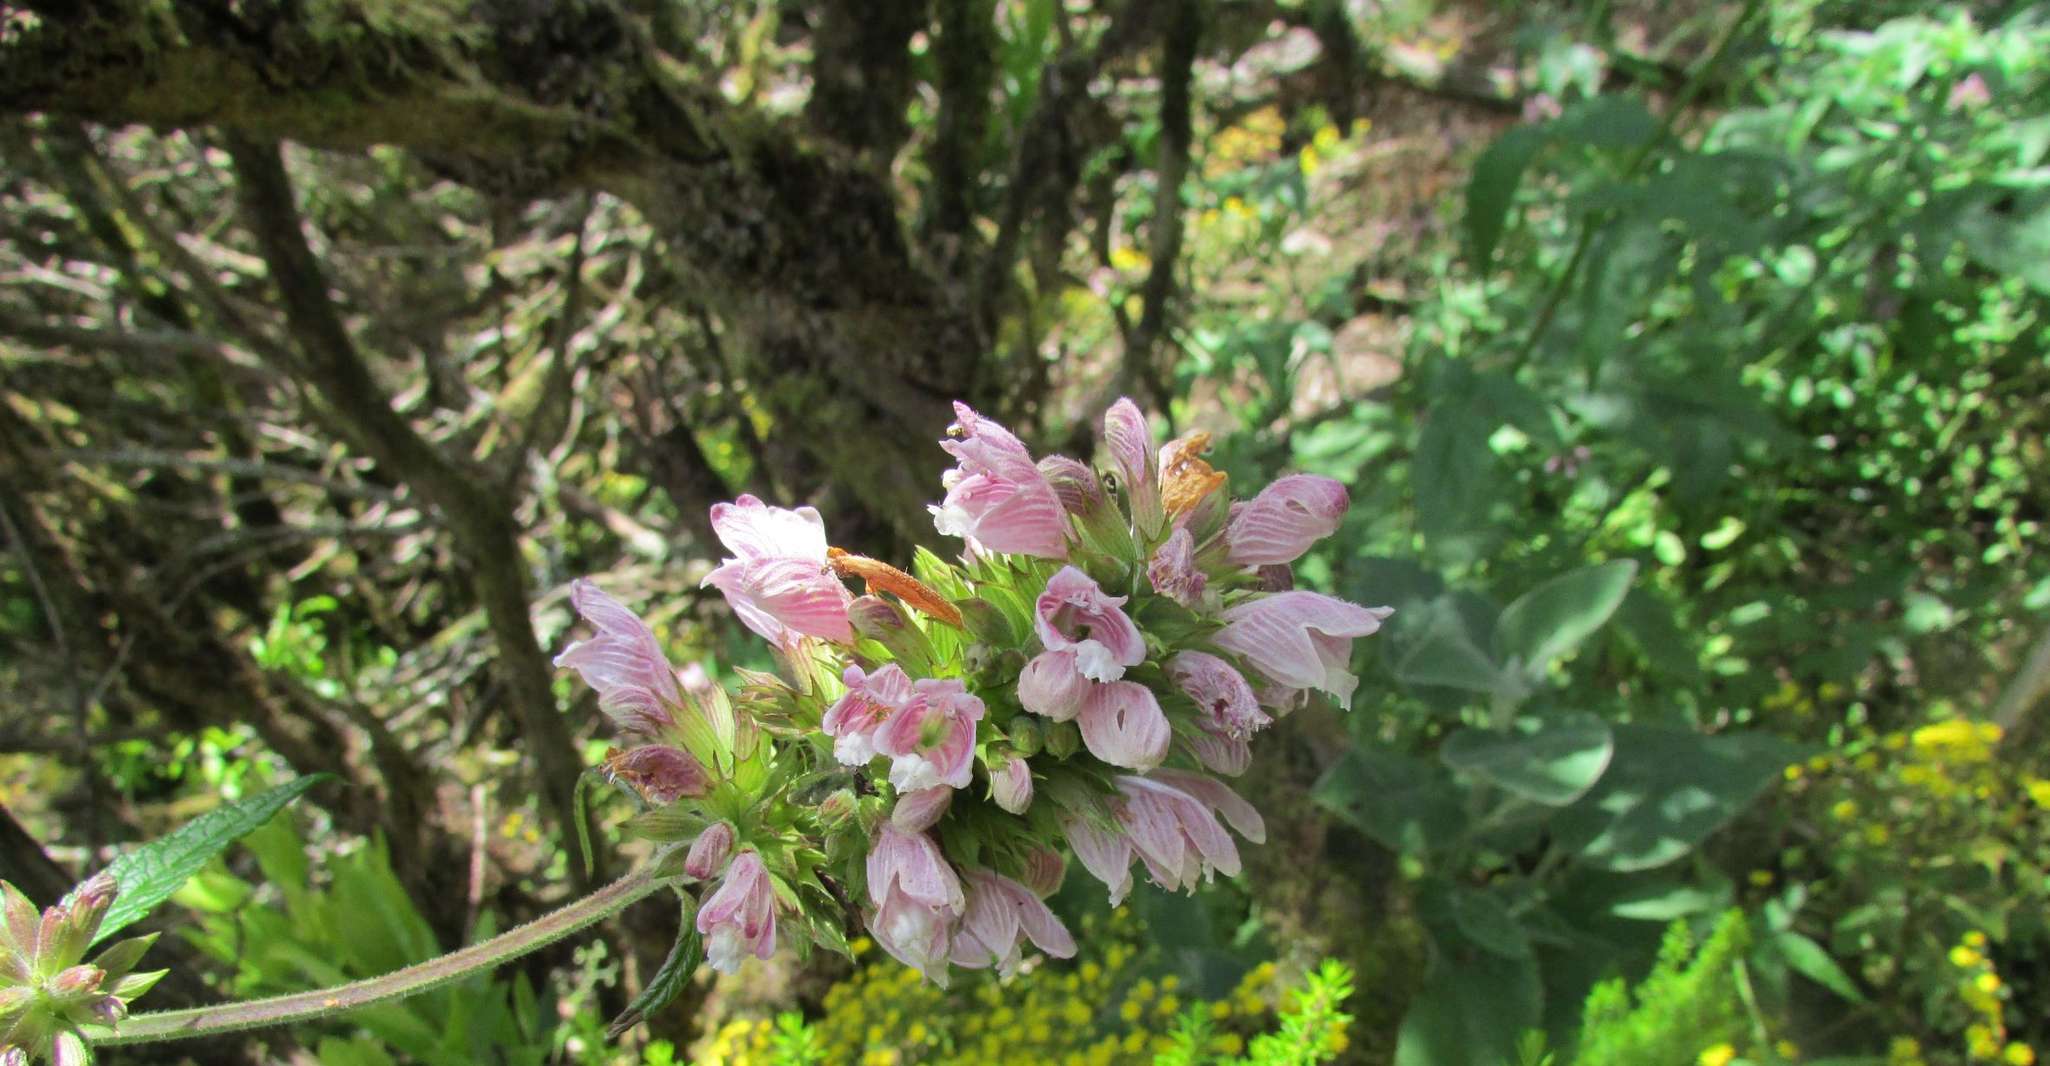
(305, 1006)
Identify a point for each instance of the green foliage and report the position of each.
(1691, 1001)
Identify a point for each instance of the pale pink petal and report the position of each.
(915, 934)
(916, 812)
(1281, 523)
(1044, 870)
(1051, 685)
(1074, 614)
(1173, 571)
(1219, 753)
(1074, 484)
(751, 529)
(997, 498)
(709, 852)
(912, 864)
(1122, 724)
(1105, 853)
(1222, 696)
(1279, 635)
(1011, 785)
(624, 662)
(740, 917)
(1130, 445)
(1241, 815)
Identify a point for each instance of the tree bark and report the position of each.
(859, 346)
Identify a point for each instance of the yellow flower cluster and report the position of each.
(1980, 987)
(1100, 1009)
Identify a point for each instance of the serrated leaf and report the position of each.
(1810, 960)
(1555, 617)
(662, 989)
(149, 874)
(1554, 764)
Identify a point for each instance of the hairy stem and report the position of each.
(305, 1006)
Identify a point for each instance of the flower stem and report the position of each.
(305, 1006)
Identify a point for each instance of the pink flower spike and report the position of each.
(1301, 639)
(1175, 833)
(1074, 614)
(624, 662)
(911, 863)
(739, 919)
(1122, 724)
(1105, 853)
(1173, 569)
(1052, 685)
(1010, 785)
(999, 910)
(1130, 445)
(932, 740)
(1281, 523)
(919, 811)
(997, 498)
(709, 852)
(870, 701)
(779, 583)
(1224, 699)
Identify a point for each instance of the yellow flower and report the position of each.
(1877, 835)
(1130, 1011)
(1309, 160)
(1976, 939)
(1964, 957)
(1844, 810)
(1988, 983)
(1819, 763)
(2039, 791)
(1127, 258)
(1761, 878)
(2019, 1054)
(1787, 1049)
(1169, 1004)
(1904, 1047)
(1237, 208)
(1718, 1055)
(1792, 773)
(1327, 139)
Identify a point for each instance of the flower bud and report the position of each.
(837, 808)
(13, 1056)
(107, 1010)
(1026, 736)
(1063, 739)
(918, 810)
(884, 622)
(75, 981)
(709, 852)
(69, 1049)
(1010, 785)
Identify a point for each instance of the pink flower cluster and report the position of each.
(1065, 662)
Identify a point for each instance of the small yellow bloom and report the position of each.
(2039, 791)
(1718, 1055)
(1988, 983)
(1327, 139)
(1169, 1004)
(1309, 160)
(1130, 1011)
(1819, 764)
(1877, 835)
(2019, 1054)
(1964, 957)
(1975, 939)
(1760, 878)
(1843, 810)
(1787, 1049)
(1792, 773)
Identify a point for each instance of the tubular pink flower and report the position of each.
(1105, 853)
(1052, 685)
(1074, 484)
(709, 852)
(870, 701)
(999, 910)
(1130, 445)
(1122, 724)
(1281, 523)
(911, 863)
(1074, 614)
(739, 918)
(660, 773)
(915, 934)
(1010, 785)
(997, 498)
(1044, 871)
(1173, 570)
(779, 583)
(919, 811)
(1168, 818)
(636, 685)
(932, 740)
(1224, 699)
(1301, 639)
(1219, 753)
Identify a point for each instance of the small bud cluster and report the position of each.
(1077, 685)
(48, 993)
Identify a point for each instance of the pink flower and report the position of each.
(1130, 445)
(1223, 698)
(1074, 614)
(999, 910)
(660, 773)
(636, 685)
(1168, 819)
(918, 900)
(1122, 724)
(1104, 852)
(1052, 685)
(997, 498)
(1301, 640)
(1219, 753)
(1044, 870)
(739, 919)
(1281, 523)
(1074, 484)
(932, 740)
(919, 811)
(779, 582)
(709, 852)
(1173, 569)
(1010, 785)
(870, 701)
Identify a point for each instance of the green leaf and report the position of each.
(1482, 918)
(1810, 960)
(676, 972)
(1444, 654)
(1470, 1012)
(1491, 190)
(149, 874)
(1665, 791)
(1454, 473)
(1555, 763)
(1555, 617)
(1406, 804)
